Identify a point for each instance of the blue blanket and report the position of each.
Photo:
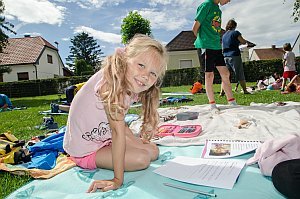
(146, 184)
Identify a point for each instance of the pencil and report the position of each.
(190, 190)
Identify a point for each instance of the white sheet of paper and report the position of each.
(220, 173)
(228, 148)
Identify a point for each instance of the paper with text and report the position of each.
(228, 148)
(220, 173)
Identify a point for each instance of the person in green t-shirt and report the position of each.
(207, 29)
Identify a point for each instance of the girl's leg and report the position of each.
(136, 142)
(138, 156)
(283, 84)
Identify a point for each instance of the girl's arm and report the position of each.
(118, 148)
(118, 155)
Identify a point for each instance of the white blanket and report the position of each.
(263, 121)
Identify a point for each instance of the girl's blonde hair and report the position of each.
(114, 70)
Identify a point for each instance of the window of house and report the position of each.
(1, 77)
(49, 58)
(23, 76)
(186, 63)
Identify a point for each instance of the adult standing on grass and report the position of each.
(5, 102)
(289, 67)
(232, 54)
(207, 29)
(96, 135)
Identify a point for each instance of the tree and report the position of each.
(84, 47)
(134, 23)
(4, 25)
(296, 10)
(81, 67)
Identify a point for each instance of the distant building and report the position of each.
(267, 53)
(182, 52)
(31, 58)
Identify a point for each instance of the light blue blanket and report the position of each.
(146, 184)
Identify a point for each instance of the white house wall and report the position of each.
(13, 75)
(47, 70)
(176, 56)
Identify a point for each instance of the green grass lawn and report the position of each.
(22, 123)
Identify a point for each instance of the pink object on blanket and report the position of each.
(274, 151)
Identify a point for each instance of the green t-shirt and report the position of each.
(209, 33)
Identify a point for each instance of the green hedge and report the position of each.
(253, 70)
(31, 88)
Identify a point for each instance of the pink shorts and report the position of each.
(289, 74)
(86, 162)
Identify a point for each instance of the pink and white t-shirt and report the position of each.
(87, 129)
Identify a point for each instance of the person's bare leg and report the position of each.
(224, 72)
(137, 142)
(138, 155)
(243, 85)
(209, 78)
(283, 84)
(135, 159)
(222, 92)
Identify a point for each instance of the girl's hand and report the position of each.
(105, 185)
(147, 136)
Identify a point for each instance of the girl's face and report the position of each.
(143, 71)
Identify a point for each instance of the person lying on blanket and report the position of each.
(5, 102)
(96, 135)
(293, 86)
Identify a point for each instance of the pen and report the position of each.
(191, 190)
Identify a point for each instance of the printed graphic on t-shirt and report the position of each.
(101, 133)
(216, 23)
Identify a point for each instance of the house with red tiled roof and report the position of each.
(267, 53)
(182, 52)
(31, 58)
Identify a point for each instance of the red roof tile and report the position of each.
(24, 50)
(183, 41)
(269, 53)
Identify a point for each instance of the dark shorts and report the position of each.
(236, 64)
(210, 59)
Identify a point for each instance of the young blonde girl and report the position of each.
(97, 136)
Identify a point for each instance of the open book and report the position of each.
(228, 148)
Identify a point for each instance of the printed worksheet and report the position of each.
(220, 173)
(228, 148)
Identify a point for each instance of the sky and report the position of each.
(264, 23)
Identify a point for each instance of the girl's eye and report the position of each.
(142, 65)
(153, 74)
